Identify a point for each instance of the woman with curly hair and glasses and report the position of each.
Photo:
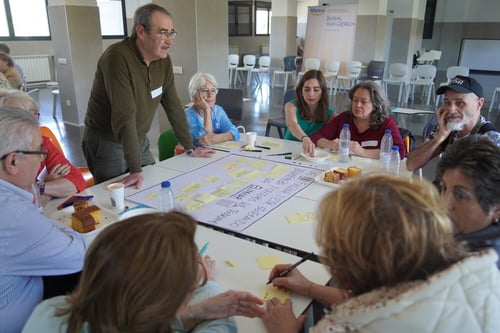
(368, 116)
(389, 245)
(138, 276)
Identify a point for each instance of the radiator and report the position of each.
(36, 68)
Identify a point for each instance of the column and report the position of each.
(77, 43)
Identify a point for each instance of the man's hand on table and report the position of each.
(136, 179)
(202, 152)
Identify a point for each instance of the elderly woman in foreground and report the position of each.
(388, 242)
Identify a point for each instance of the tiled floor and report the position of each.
(259, 104)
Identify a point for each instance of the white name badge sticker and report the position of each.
(371, 143)
(157, 92)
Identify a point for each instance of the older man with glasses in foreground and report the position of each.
(32, 246)
(133, 77)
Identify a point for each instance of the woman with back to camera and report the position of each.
(208, 122)
(138, 276)
(309, 111)
(468, 176)
(368, 116)
(388, 243)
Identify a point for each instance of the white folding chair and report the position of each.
(353, 69)
(424, 75)
(264, 65)
(309, 63)
(397, 76)
(287, 70)
(248, 64)
(233, 60)
(331, 71)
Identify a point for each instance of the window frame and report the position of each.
(235, 5)
(12, 37)
(260, 5)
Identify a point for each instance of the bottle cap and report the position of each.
(395, 148)
(346, 125)
(388, 131)
(165, 183)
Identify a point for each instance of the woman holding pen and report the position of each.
(389, 245)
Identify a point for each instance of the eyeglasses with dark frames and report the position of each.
(164, 34)
(42, 153)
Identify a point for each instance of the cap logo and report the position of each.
(457, 81)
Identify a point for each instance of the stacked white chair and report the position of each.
(264, 65)
(424, 75)
(331, 71)
(398, 73)
(233, 61)
(248, 65)
(352, 71)
(287, 70)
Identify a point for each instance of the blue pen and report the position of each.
(203, 249)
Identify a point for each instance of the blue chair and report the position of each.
(280, 123)
(166, 144)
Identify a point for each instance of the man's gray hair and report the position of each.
(16, 130)
(143, 16)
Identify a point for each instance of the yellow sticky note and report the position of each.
(268, 262)
(257, 164)
(274, 144)
(206, 198)
(271, 291)
(230, 263)
(211, 179)
(308, 217)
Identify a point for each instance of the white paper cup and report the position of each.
(251, 137)
(117, 195)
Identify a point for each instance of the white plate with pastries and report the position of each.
(319, 156)
(344, 175)
(63, 217)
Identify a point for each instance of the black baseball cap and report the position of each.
(462, 85)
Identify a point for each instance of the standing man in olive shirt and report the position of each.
(133, 76)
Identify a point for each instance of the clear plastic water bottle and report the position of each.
(167, 202)
(395, 161)
(344, 144)
(385, 150)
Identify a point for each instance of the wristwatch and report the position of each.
(189, 151)
(41, 187)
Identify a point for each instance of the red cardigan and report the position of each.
(370, 139)
(54, 157)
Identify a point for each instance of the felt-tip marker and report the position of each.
(203, 249)
(291, 268)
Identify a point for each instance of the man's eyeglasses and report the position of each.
(164, 34)
(206, 90)
(42, 153)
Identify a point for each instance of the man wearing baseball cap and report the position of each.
(459, 116)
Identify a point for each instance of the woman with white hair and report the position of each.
(208, 122)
